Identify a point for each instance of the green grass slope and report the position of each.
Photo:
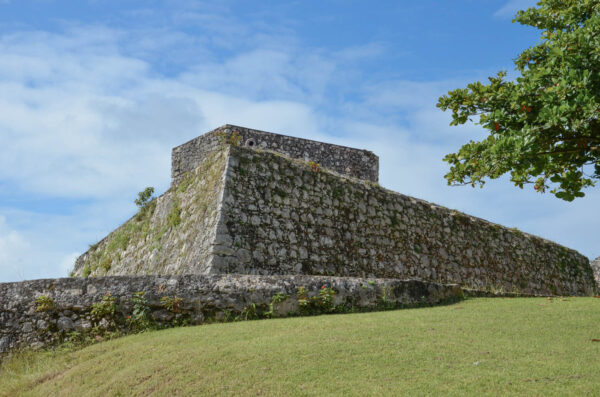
(527, 346)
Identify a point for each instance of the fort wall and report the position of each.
(174, 234)
(244, 224)
(282, 216)
(357, 163)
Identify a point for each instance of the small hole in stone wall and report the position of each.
(251, 142)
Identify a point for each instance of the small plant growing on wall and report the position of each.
(106, 264)
(233, 139)
(322, 303)
(172, 304)
(44, 303)
(174, 217)
(105, 308)
(315, 167)
(144, 197)
(275, 300)
(140, 316)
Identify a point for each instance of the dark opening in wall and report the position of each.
(251, 142)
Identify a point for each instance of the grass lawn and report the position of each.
(525, 346)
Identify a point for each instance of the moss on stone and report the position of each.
(128, 249)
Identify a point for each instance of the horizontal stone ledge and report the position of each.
(41, 313)
(243, 289)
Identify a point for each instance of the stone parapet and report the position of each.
(26, 320)
(353, 162)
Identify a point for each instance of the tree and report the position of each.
(144, 197)
(544, 126)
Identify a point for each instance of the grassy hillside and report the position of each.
(527, 346)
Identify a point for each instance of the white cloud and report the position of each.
(512, 6)
(67, 262)
(13, 253)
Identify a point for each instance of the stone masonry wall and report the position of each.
(282, 216)
(203, 299)
(596, 269)
(173, 235)
(348, 161)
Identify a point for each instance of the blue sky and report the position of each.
(93, 96)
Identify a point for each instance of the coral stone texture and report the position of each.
(345, 160)
(202, 298)
(596, 269)
(250, 202)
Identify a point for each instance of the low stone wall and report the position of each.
(283, 216)
(40, 313)
(353, 162)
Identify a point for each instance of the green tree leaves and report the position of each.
(544, 126)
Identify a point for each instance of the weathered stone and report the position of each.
(104, 324)
(197, 319)
(596, 269)
(4, 344)
(42, 324)
(65, 324)
(27, 327)
(201, 296)
(345, 160)
(163, 315)
(83, 325)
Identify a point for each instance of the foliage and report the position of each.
(172, 304)
(174, 217)
(229, 139)
(322, 303)
(44, 303)
(315, 167)
(250, 312)
(385, 302)
(106, 264)
(277, 298)
(544, 127)
(144, 197)
(87, 270)
(140, 315)
(105, 308)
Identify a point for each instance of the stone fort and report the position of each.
(251, 213)
(252, 202)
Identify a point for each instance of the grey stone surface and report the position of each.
(596, 269)
(65, 324)
(295, 220)
(357, 163)
(203, 296)
(5, 344)
(157, 243)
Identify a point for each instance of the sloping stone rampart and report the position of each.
(204, 298)
(357, 163)
(174, 234)
(282, 216)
